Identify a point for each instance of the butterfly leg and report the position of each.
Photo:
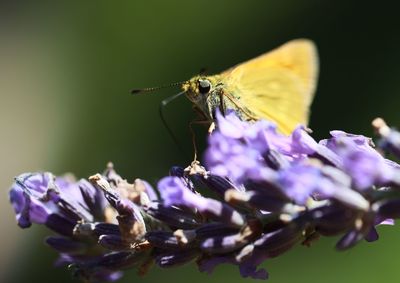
(196, 122)
(195, 167)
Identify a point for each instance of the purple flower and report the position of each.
(174, 192)
(267, 193)
(300, 182)
(238, 156)
(78, 211)
(238, 147)
(56, 202)
(360, 160)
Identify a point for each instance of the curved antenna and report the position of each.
(164, 103)
(150, 89)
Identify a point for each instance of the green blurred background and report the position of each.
(66, 68)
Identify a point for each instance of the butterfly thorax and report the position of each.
(211, 93)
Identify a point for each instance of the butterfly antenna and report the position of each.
(164, 103)
(151, 89)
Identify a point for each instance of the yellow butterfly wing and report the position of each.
(278, 85)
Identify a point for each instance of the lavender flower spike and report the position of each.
(268, 193)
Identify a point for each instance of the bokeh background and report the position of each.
(66, 68)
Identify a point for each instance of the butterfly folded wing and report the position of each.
(278, 85)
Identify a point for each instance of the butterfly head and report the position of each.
(198, 88)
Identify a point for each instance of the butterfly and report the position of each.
(278, 86)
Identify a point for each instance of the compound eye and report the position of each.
(204, 86)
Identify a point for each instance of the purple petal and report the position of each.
(173, 216)
(163, 239)
(248, 268)
(372, 236)
(231, 158)
(230, 125)
(174, 192)
(65, 245)
(299, 182)
(349, 240)
(303, 143)
(20, 202)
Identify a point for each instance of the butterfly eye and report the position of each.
(204, 86)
